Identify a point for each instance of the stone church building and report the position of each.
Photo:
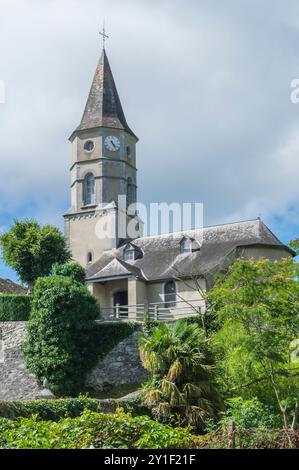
(164, 275)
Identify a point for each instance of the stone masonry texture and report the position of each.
(121, 367)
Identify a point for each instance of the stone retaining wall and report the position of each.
(15, 382)
(121, 367)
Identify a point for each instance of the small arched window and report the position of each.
(131, 191)
(186, 245)
(89, 257)
(89, 189)
(170, 294)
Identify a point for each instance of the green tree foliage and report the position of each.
(61, 334)
(72, 270)
(294, 244)
(181, 367)
(247, 414)
(31, 249)
(256, 306)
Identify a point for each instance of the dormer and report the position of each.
(189, 245)
(132, 252)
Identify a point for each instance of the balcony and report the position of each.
(153, 311)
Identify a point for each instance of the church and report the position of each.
(163, 275)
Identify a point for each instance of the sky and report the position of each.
(205, 84)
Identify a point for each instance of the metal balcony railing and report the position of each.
(154, 311)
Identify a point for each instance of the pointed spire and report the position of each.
(103, 107)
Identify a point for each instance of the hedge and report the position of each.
(53, 410)
(118, 430)
(15, 307)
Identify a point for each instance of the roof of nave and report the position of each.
(162, 257)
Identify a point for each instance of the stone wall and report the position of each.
(15, 382)
(121, 367)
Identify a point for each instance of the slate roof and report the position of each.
(103, 107)
(118, 267)
(9, 287)
(162, 258)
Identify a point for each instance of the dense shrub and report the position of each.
(52, 410)
(247, 414)
(15, 307)
(72, 270)
(94, 430)
(61, 332)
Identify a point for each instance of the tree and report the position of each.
(181, 367)
(294, 244)
(72, 270)
(31, 249)
(256, 306)
(62, 334)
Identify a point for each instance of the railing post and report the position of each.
(117, 311)
(145, 308)
(156, 312)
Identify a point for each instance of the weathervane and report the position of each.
(104, 35)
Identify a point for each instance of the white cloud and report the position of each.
(204, 84)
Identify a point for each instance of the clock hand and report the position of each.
(113, 144)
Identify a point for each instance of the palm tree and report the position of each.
(181, 368)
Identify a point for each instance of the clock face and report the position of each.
(112, 143)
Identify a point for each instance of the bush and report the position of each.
(247, 414)
(52, 410)
(93, 430)
(15, 307)
(61, 332)
(72, 270)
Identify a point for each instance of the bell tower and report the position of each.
(103, 168)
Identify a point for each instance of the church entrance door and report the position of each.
(121, 299)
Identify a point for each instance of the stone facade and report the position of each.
(121, 367)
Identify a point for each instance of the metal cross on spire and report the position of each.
(104, 35)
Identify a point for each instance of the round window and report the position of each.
(89, 146)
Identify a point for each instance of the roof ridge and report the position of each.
(183, 232)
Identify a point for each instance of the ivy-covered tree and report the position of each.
(31, 249)
(72, 270)
(62, 334)
(256, 307)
